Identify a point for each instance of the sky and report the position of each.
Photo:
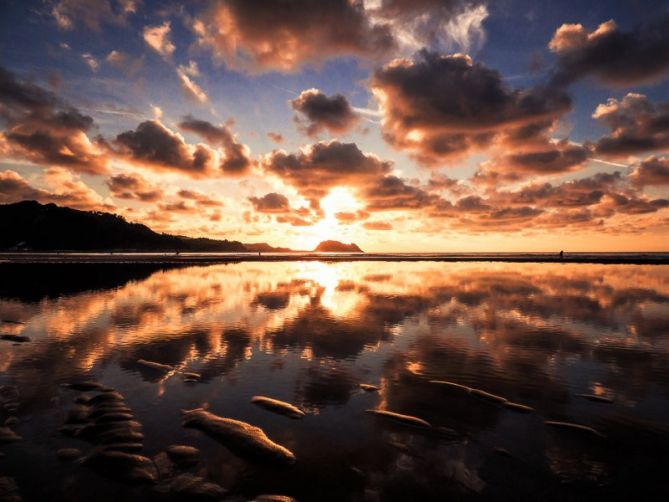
(400, 125)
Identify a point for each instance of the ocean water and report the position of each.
(586, 344)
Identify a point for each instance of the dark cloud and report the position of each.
(268, 35)
(236, 156)
(439, 108)
(271, 203)
(133, 186)
(43, 129)
(654, 171)
(637, 125)
(393, 193)
(319, 112)
(200, 198)
(317, 168)
(154, 145)
(550, 158)
(612, 56)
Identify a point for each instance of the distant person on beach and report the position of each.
(561, 255)
(258, 253)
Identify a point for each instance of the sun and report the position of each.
(338, 200)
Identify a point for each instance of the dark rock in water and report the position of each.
(9, 394)
(124, 447)
(87, 386)
(107, 408)
(520, 408)
(487, 396)
(596, 398)
(193, 487)
(191, 377)
(9, 492)
(274, 498)
(504, 452)
(15, 338)
(398, 417)
(126, 467)
(183, 456)
(94, 431)
(10, 321)
(11, 421)
(277, 406)
(68, 454)
(106, 397)
(112, 417)
(244, 440)
(369, 388)
(155, 366)
(451, 385)
(574, 427)
(164, 465)
(78, 415)
(8, 436)
(116, 436)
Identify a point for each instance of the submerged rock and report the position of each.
(487, 396)
(195, 488)
(11, 421)
(520, 408)
(15, 338)
(116, 436)
(68, 454)
(369, 387)
(451, 385)
(190, 377)
(398, 417)
(574, 427)
(127, 467)
(87, 386)
(182, 455)
(111, 417)
(274, 498)
(100, 411)
(277, 406)
(596, 398)
(106, 397)
(9, 492)
(124, 447)
(8, 436)
(156, 366)
(243, 439)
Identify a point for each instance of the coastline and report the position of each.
(215, 258)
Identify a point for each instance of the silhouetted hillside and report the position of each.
(337, 247)
(48, 227)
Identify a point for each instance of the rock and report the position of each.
(155, 366)
(451, 385)
(164, 465)
(9, 492)
(574, 427)
(191, 377)
(183, 456)
(195, 488)
(369, 388)
(78, 415)
(124, 447)
(8, 436)
(106, 397)
(107, 408)
(244, 440)
(15, 338)
(520, 408)
(126, 467)
(93, 431)
(68, 454)
(596, 398)
(398, 417)
(11, 421)
(504, 452)
(112, 417)
(9, 393)
(487, 396)
(279, 407)
(116, 436)
(87, 386)
(274, 498)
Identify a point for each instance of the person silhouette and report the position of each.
(561, 255)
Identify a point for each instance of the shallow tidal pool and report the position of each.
(451, 344)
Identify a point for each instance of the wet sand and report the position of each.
(214, 258)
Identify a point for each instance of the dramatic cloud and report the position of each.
(442, 25)
(154, 145)
(236, 156)
(393, 193)
(271, 203)
(322, 112)
(267, 35)
(158, 38)
(439, 108)
(550, 158)
(44, 129)
(317, 168)
(91, 13)
(65, 189)
(654, 171)
(200, 198)
(612, 56)
(133, 186)
(637, 126)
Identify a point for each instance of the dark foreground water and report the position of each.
(309, 333)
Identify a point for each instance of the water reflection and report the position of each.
(309, 333)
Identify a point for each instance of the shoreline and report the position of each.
(211, 259)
